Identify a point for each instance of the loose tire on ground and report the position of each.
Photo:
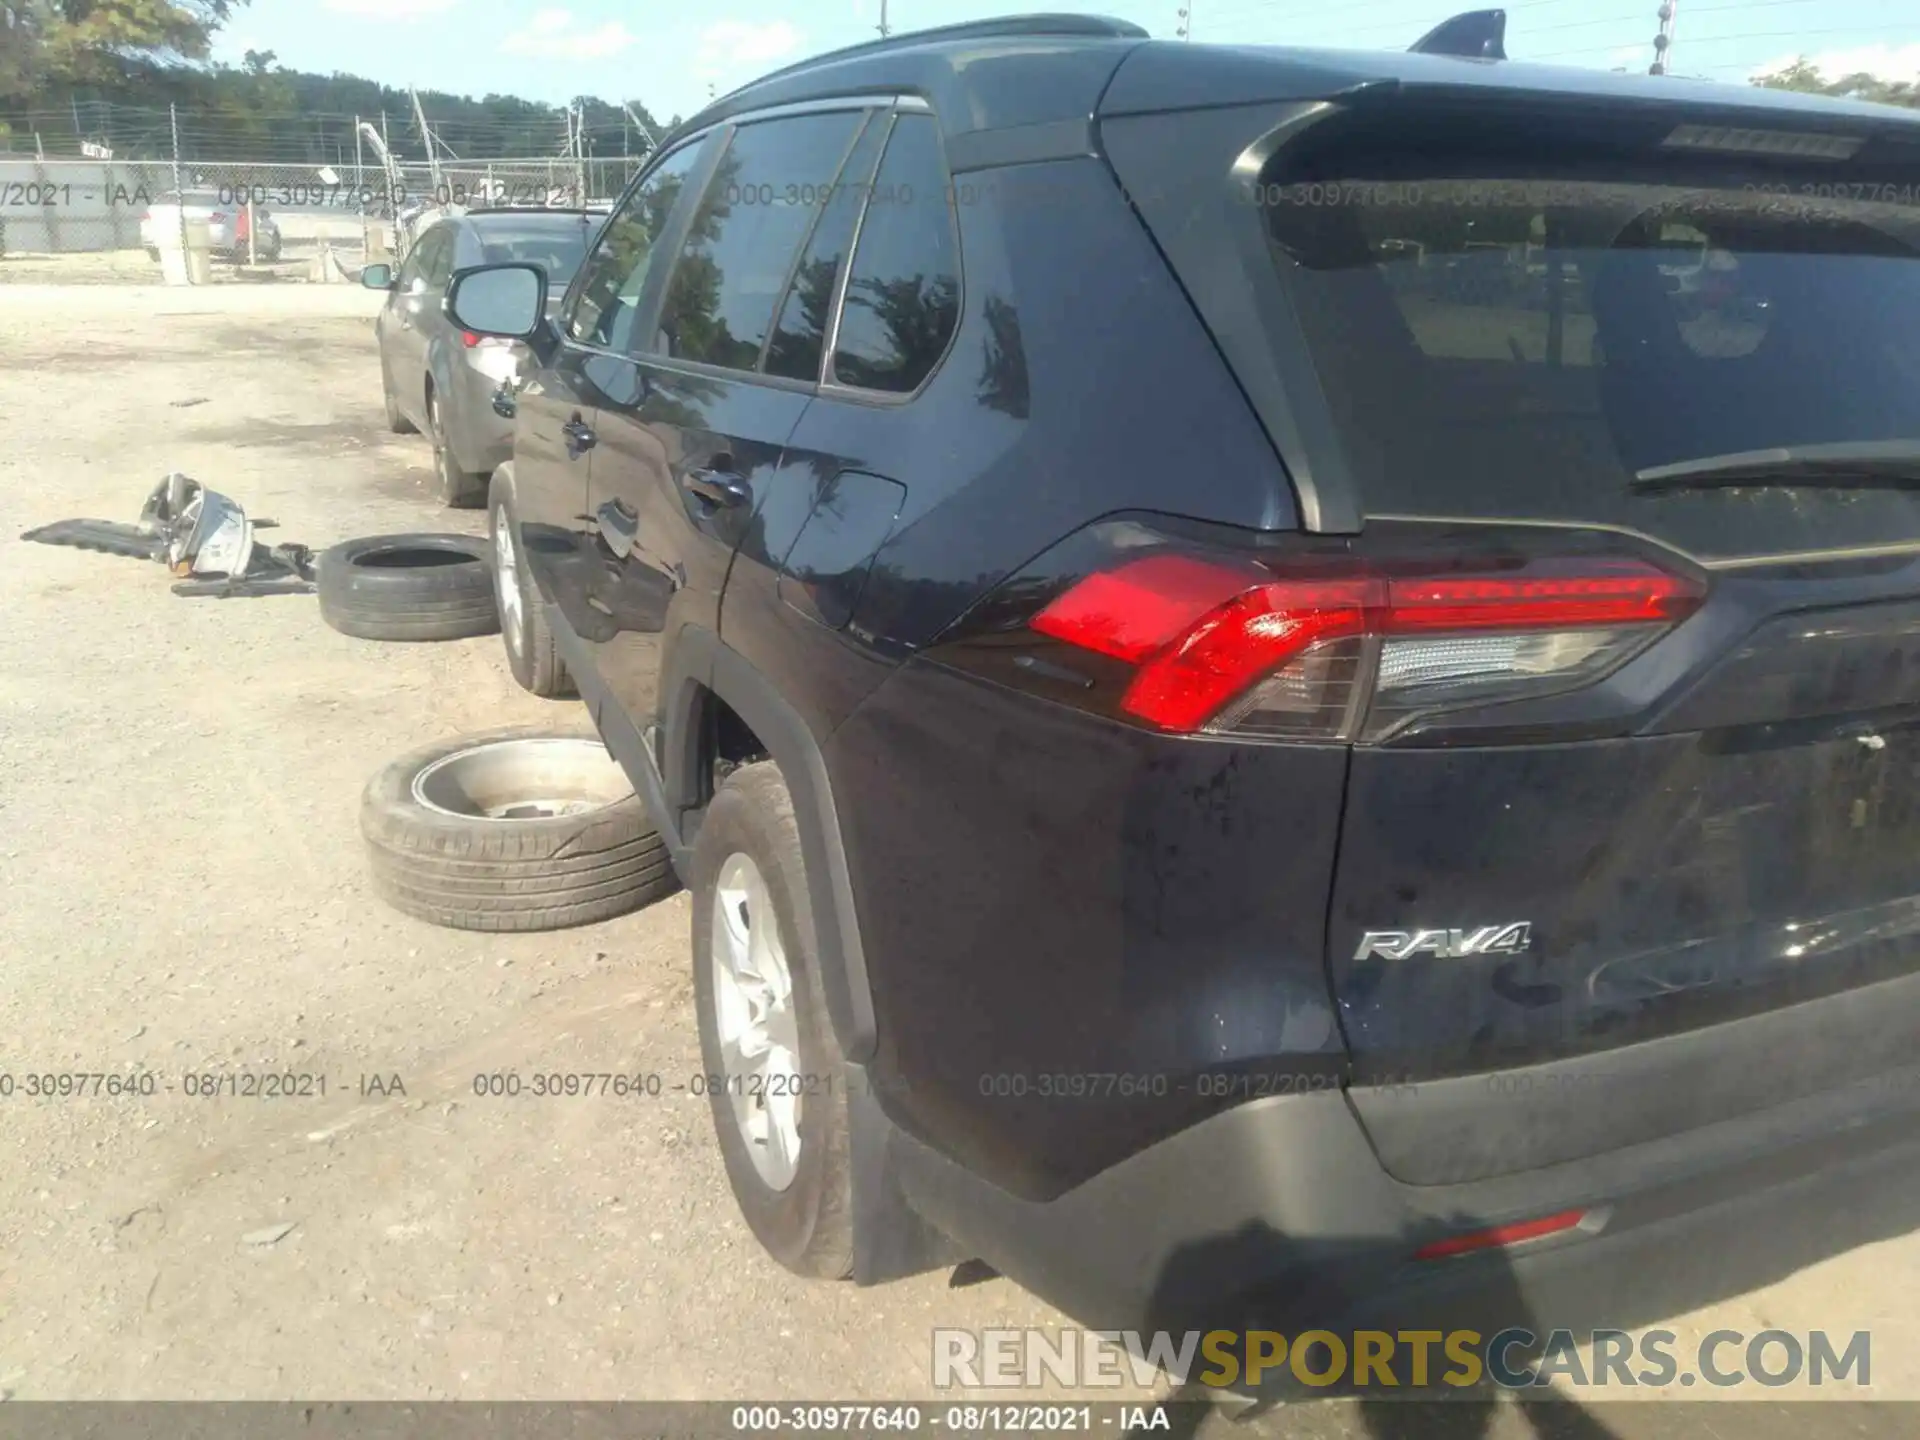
(438, 855)
(408, 587)
(807, 1224)
(532, 655)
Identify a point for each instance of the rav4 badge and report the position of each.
(1509, 939)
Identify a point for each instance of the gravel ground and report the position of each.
(184, 893)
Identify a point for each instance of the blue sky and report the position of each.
(670, 57)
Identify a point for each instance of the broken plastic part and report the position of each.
(198, 534)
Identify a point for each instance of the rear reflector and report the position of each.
(1500, 1236)
(1223, 647)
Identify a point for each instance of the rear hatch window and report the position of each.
(1510, 323)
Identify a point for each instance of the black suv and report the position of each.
(1279, 676)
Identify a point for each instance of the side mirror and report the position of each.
(377, 277)
(508, 301)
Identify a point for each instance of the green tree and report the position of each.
(92, 41)
(1803, 75)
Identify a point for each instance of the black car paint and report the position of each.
(1022, 894)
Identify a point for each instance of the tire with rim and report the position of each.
(512, 830)
(408, 587)
(459, 489)
(774, 1075)
(396, 421)
(532, 655)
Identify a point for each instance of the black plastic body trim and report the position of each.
(791, 743)
(1474, 1126)
(1019, 145)
(623, 739)
(1276, 1214)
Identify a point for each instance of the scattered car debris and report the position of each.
(202, 536)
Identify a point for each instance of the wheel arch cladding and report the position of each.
(791, 745)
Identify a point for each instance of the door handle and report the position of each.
(618, 526)
(579, 436)
(720, 487)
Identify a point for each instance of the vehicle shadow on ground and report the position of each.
(1283, 1285)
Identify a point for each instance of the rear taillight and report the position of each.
(1341, 645)
(469, 339)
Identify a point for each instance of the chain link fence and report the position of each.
(82, 220)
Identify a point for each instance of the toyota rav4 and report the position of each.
(1260, 710)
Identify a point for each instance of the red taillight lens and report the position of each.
(469, 339)
(1226, 647)
(1499, 1237)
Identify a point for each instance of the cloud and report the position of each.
(744, 48)
(389, 9)
(1888, 62)
(556, 35)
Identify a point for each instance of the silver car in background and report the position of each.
(454, 385)
(228, 229)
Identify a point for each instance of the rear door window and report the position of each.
(745, 238)
(903, 292)
(437, 268)
(799, 338)
(1520, 344)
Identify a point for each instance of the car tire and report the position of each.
(408, 587)
(459, 489)
(437, 854)
(806, 1223)
(397, 422)
(532, 655)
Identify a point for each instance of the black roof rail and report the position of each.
(1091, 27)
(1476, 34)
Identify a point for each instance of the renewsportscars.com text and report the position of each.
(1413, 1359)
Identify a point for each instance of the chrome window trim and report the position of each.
(868, 117)
(831, 386)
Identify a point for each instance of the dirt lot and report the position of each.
(183, 893)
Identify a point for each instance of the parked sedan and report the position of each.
(228, 230)
(451, 383)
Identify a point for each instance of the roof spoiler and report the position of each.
(1476, 35)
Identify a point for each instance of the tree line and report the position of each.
(118, 72)
(108, 71)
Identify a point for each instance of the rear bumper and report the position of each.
(1278, 1215)
(482, 440)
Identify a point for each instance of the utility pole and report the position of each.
(884, 31)
(1663, 42)
(640, 125)
(433, 154)
(179, 192)
(1185, 12)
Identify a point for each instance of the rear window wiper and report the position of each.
(1859, 463)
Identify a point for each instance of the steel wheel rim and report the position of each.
(531, 779)
(754, 1018)
(506, 577)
